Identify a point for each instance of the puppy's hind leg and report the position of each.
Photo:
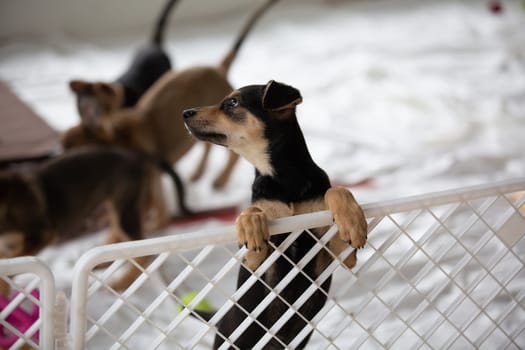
(197, 174)
(130, 217)
(131, 274)
(155, 215)
(115, 233)
(225, 174)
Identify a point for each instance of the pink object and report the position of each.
(19, 318)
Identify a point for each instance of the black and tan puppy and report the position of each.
(47, 204)
(259, 123)
(99, 99)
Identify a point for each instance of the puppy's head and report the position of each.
(95, 100)
(21, 218)
(245, 121)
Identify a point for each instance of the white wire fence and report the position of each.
(26, 316)
(439, 271)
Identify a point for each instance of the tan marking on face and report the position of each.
(245, 138)
(11, 244)
(249, 142)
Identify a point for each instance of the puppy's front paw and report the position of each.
(348, 216)
(252, 228)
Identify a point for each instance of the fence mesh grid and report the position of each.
(436, 277)
(435, 274)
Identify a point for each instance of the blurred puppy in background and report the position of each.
(153, 128)
(99, 99)
(47, 204)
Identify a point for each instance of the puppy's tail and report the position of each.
(179, 186)
(230, 56)
(160, 26)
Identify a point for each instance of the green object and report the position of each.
(204, 305)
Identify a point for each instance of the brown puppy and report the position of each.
(153, 127)
(98, 99)
(47, 204)
(259, 123)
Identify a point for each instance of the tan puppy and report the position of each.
(153, 126)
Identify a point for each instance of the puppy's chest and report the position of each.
(277, 209)
(301, 245)
(311, 206)
(299, 191)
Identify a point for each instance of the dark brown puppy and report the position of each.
(98, 99)
(152, 127)
(259, 123)
(47, 203)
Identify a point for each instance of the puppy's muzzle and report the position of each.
(188, 113)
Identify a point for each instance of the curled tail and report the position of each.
(230, 56)
(160, 26)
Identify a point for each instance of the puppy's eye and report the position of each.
(231, 103)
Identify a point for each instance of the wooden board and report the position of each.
(23, 134)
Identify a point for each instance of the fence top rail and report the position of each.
(443, 197)
(226, 234)
(25, 264)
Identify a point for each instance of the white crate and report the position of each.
(36, 276)
(439, 271)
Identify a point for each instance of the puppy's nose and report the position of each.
(189, 113)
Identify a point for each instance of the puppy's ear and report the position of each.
(278, 96)
(105, 89)
(80, 86)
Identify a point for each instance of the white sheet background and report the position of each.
(412, 96)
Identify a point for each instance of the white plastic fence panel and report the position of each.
(439, 271)
(32, 298)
